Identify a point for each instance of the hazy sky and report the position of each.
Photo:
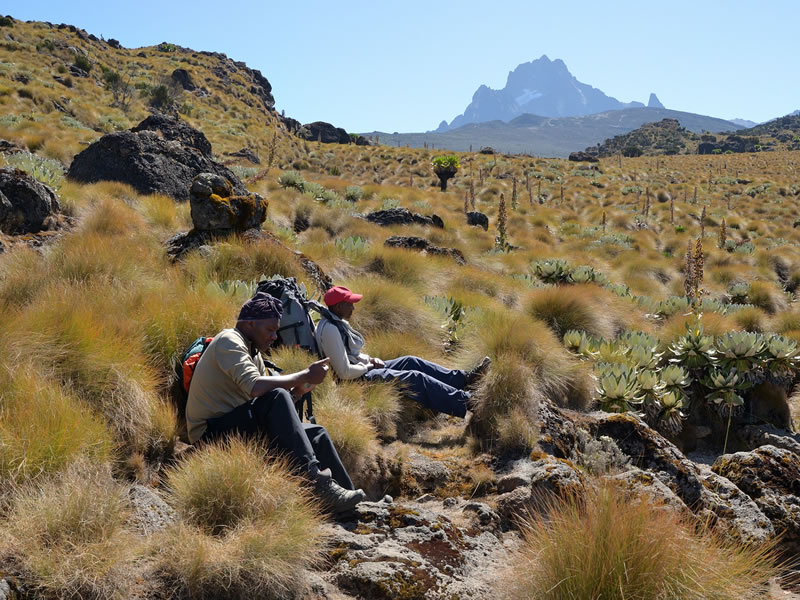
(405, 66)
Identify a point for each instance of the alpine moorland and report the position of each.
(634, 438)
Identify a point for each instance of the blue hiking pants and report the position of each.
(431, 385)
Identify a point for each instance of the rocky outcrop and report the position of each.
(26, 205)
(409, 551)
(402, 216)
(423, 245)
(161, 155)
(478, 219)
(583, 157)
(247, 154)
(533, 484)
(712, 498)
(182, 78)
(320, 131)
(216, 209)
(771, 477)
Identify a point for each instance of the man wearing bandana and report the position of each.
(234, 391)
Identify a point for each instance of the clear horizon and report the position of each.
(369, 66)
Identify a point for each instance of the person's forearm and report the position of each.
(273, 382)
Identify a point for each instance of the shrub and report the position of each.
(292, 179)
(353, 193)
(247, 528)
(614, 547)
(46, 170)
(82, 62)
(68, 537)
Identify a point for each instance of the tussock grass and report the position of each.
(751, 319)
(67, 536)
(43, 428)
(238, 259)
(581, 307)
(612, 547)
(406, 267)
(247, 528)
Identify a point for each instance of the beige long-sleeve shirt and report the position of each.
(330, 344)
(223, 379)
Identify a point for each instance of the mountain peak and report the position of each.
(541, 87)
(654, 102)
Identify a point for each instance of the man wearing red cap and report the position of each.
(433, 386)
(234, 391)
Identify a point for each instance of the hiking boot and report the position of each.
(335, 497)
(475, 373)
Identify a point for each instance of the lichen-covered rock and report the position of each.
(150, 512)
(478, 219)
(427, 474)
(551, 478)
(403, 216)
(643, 484)
(423, 245)
(214, 207)
(412, 552)
(709, 496)
(771, 477)
(160, 156)
(557, 431)
(26, 205)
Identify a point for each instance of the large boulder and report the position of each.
(478, 219)
(423, 245)
(215, 207)
(182, 78)
(402, 216)
(26, 205)
(771, 477)
(319, 131)
(161, 155)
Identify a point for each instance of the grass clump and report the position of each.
(247, 528)
(611, 547)
(43, 428)
(67, 537)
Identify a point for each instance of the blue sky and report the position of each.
(405, 66)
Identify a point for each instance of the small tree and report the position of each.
(445, 167)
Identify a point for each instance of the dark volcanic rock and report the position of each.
(423, 245)
(162, 156)
(247, 154)
(183, 79)
(114, 43)
(215, 208)
(174, 129)
(583, 157)
(325, 133)
(395, 551)
(478, 219)
(26, 205)
(771, 477)
(403, 216)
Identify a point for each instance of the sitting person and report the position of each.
(235, 391)
(433, 386)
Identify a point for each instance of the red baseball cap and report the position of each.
(339, 293)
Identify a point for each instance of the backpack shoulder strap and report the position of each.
(326, 314)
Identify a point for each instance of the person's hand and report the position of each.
(302, 389)
(376, 363)
(317, 371)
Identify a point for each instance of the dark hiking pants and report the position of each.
(431, 385)
(273, 416)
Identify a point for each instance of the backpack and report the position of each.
(296, 325)
(189, 361)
